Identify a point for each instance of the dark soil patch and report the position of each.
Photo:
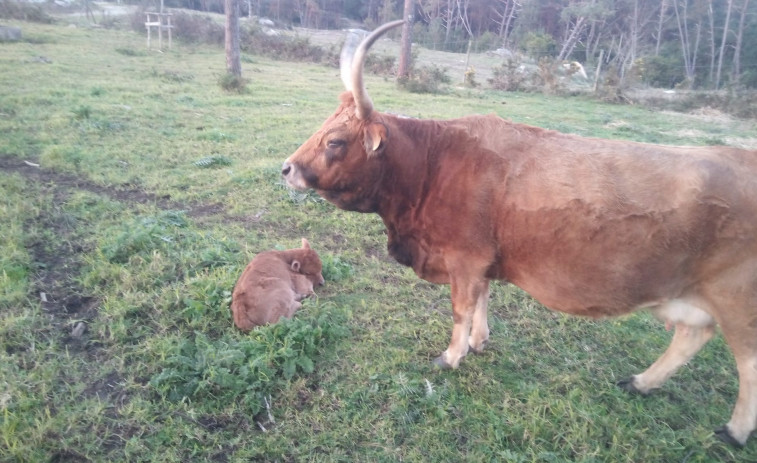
(58, 261)
(62, 183)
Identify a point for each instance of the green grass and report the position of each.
(156, 187)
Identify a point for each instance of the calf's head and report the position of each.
(342, 160)
(306, 262)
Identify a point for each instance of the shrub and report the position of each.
(660, 71)
(741, 103)
(470, 77)
(611, 88)
(256, 41)
(488, 41)
(244, 370)
(427, 79)
(381, 65)
(547, 76)
(334, 268)
(233, 83)
(23, 11)
(538, 44)
(128, 51)
(510, 76)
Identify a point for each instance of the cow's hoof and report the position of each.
(725, 435)
(480, 349)
(441, 363)
(628, 386)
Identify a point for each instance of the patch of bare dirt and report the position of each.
(58, 262)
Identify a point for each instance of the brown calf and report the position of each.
(273, 284)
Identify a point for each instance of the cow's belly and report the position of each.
(596, 295)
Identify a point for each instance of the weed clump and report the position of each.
(173, 76)
(233, 83)
(428, 79)
(144, 235)
(380, 65)
(244, 370)
(129, 51)
(284, 48)
(209, 162)
(470, 77)
(194, 28)
(509, 76)
(334, 268)
(23, 11)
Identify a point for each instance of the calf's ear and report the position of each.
(295, 265)
(375, 135)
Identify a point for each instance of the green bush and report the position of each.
(509, 76)
(194, 28)
(233, 83)
(538, 44)
(381, 65)
(428, 79)
(244, 370)
(334, 268)
(23, 11)
(660, 71)
(286, 48)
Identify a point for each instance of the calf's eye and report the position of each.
(335, 143)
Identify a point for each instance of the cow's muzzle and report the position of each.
(293, 176)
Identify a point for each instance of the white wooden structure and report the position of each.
(160, 21)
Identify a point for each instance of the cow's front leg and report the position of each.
(479, 334)
(467, 292)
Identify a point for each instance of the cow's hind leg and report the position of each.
(687, 341)
(742, 339)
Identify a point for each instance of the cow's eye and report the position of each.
(335, 143)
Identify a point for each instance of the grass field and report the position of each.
(153, 190)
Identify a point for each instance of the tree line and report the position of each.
(691, 43)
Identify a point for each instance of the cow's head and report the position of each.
(341, 161)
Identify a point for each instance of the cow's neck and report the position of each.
(409, 172)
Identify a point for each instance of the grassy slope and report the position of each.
(126, 233)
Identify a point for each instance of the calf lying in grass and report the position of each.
(273, 285)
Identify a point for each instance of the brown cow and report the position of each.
(273, 284)
(587, 226)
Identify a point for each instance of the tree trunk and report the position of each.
(683, 33)
(233, 61)
(508, 25)
(572, 38)
(713, 53)
(660, 22)
(722, 44)
(406, 41)
(739, 41)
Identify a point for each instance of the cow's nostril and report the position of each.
(286, 168)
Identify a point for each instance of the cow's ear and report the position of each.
(295, 265)
(375, 138)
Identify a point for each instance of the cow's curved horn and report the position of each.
(354, 82)
(345, 58)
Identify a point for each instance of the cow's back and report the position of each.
(599, 227)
